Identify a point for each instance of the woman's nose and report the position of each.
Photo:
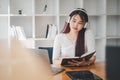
(76, 25)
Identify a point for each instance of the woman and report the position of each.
(75, 39)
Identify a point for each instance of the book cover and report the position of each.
(87, 56)
(83, 75)
(20, 33)
(52, 31)
(47, 31)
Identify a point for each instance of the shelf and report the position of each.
(36, 39)
(25, 22)
(3, 15)
(113, 27)
(113, 37)
(3, 27)
(113, 7)
(97, 25)
(19, 15)
(94, 7)
(44, 42)
(16, 5)
(113, 14)
(113, 42)
(65, 9)
(100, 49)
(41, 25)
(4, 6)
(62, 22)
(50, 9)
(41, 42)
(98, 37)
(45, 14)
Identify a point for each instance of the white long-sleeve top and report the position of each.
(63, 47)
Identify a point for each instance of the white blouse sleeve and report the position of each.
(89, 41)
(56, 48)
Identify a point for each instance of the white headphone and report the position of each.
(80, 9)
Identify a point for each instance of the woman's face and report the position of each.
(76, 23)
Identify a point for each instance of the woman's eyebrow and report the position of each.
(76, 19)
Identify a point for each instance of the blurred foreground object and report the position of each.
(112, 62)
(18, 63)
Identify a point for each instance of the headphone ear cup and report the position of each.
(85, 24)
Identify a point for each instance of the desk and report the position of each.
(98, 68)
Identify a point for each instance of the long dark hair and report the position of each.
(80, 42)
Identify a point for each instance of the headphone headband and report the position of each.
(79, 9)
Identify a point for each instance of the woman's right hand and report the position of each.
(78, 63)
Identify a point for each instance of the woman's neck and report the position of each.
(72, 36)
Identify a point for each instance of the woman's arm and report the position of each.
(56, 48)
(90, 44)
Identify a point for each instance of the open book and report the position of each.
(86, 56)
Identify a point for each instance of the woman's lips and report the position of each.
(75, 28)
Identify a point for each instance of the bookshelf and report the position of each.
(113, 23)
(104, 19)
(4, 19)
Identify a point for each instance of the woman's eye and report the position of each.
(81, 23)
(74, 21)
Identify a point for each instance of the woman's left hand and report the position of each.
(78, 63)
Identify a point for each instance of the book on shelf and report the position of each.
(18, 32)
(86, 56)
(13, 32)
(47, 31)
(51, 31)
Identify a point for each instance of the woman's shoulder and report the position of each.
(60, 35)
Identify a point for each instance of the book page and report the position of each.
(88, 53)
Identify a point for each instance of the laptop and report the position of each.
(43, 54)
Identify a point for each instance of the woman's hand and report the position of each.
(83, 62)
(78, 63)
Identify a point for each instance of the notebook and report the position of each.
(82, 75)
(43, 54)
(86, 56)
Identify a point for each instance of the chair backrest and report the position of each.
(50, 52)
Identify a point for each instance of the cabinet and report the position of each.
(104, 19)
